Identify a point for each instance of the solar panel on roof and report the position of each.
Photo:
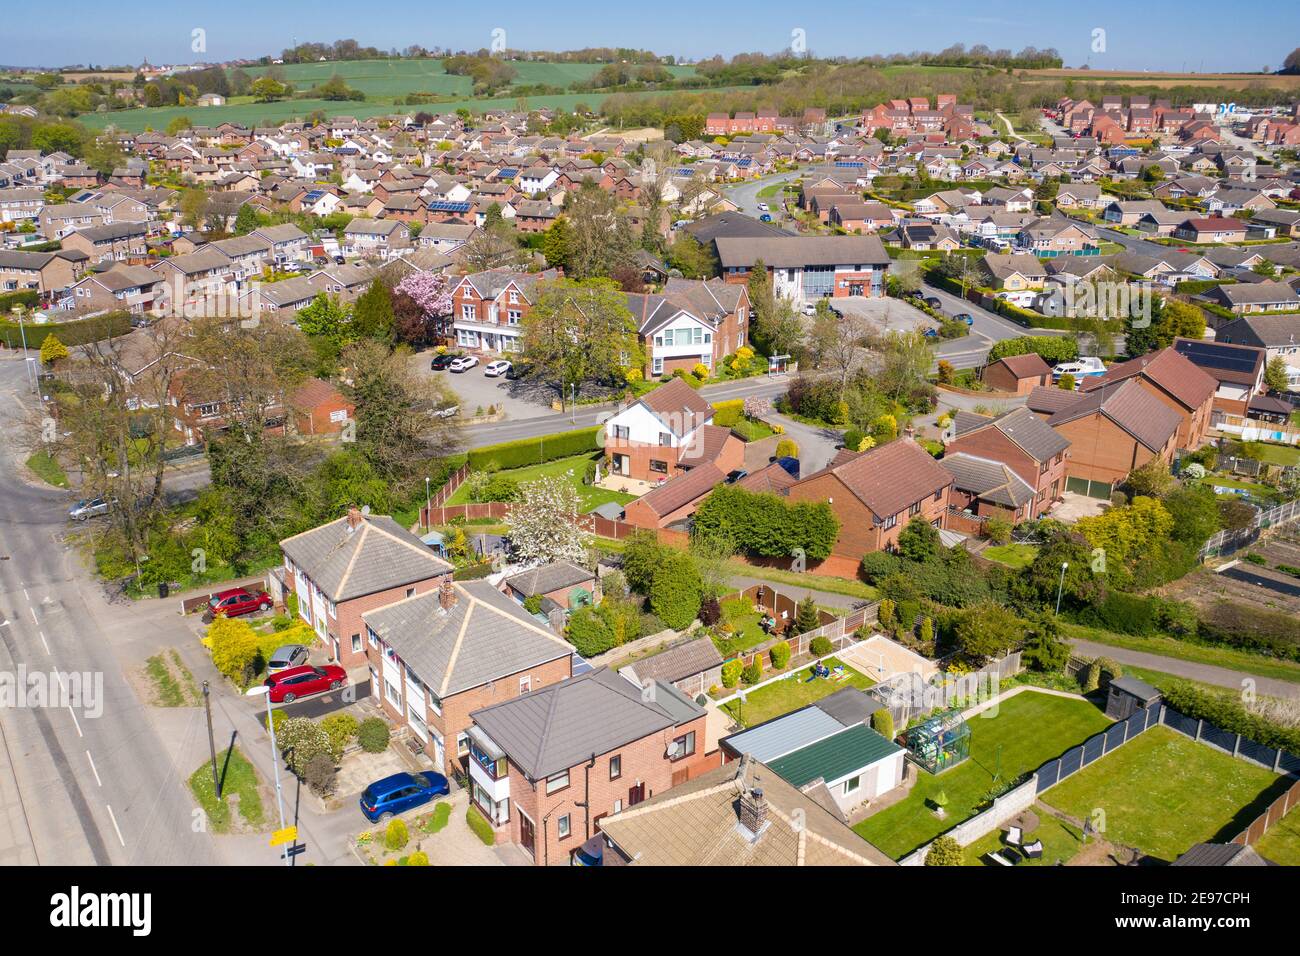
(1217, 356)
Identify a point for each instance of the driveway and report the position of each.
(817, 445)
(889, 314)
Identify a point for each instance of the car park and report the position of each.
(238, 601)
(288, 685)
(463, 364)
(493, 369)
(443, 360)
(401, 792)
(283, 658)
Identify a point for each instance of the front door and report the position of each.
(527, 835)
(635, 794)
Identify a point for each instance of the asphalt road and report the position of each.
(89, 781)
(745, 196)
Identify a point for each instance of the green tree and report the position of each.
(266, 89)
(642, 554)
(247, 219)
(944, 851)
(676, 590)
(372, 315)
(52, 350)
(919, 541)
(806, 616)
(987, 630)
(580, 332)
(1276, 375)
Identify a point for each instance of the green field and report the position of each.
(1029, 729)
(1282, 843)
(1164, 793)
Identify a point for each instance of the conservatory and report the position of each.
(941, 742)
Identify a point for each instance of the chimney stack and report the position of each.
(753, 810)
(447, 594)
(354, 519)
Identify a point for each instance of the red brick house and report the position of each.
(1018, 441)
(318, 408)
(1177, 382)
(347, 567)
(874, 494)
(548, 766)
(441, 654)
(488, 308)
(691, 322)
(668, 431)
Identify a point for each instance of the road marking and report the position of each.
(63, 685)
(92, 768)
(115, 826)
(43, 641)
(26, 595)
(34, 619)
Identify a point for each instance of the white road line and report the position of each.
(26, 595)
(92, 768)
(43, 641)
(63, 685)
(115, 826)
(34, 619)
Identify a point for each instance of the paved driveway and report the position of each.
(475, 390)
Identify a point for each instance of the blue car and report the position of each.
(401, 792)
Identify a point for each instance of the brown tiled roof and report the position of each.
(705, 446)
(1167, 369)
(772, 479)
(1049, 401)
(678, 404)
(890, 477)
(682, 490)
(1029, 432)
(1029, 365)
(676, 663)
(1131, 407)
(313, 393)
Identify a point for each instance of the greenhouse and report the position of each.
(941, 742)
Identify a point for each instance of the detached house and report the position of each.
(1176, 382)
(548, 766)
(667, 431)
(809, 267)
(347, 567)
(692, 322)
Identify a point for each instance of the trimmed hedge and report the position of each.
(23, 297)
(76, 332)
(727, 414)
(536, 451)
(767, 525)
(1226, 712)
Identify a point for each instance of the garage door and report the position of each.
(1092, 489)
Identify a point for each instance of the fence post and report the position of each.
(1199, 724)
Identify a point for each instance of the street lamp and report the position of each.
(27, 362)
(1060, 586)
(262, 690)
(428, 507)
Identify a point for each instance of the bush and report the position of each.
(642, 554)
(853, 438)
(710, 611)
(878, 565)
(944, 851)
(766, 525)
(1090, 677)
(780, 655)
(700, 371)
(821, 646)
(396, 835)
(886, 614)
(731, 673)
(806, 616)
(479, 824)
(76, 332)
(536, 451)
(418, 858)
(1123, 612)
(301, 740)
(234, 647)
(340, 729)
(1053, 349)
(787, 448)
(728, 413)
(373, 735)
(998, 530)
(882, 722)
(753, 672)
(1251, 628)
(1226, 712)
(319, 774)
(676, 591)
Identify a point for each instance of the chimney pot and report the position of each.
(447, 594)
(753, 810)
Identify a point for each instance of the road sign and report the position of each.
(287, 835)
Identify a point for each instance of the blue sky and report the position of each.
(1163, 35)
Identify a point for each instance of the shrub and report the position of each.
(787, 448)
(700, 371)
(1123, 612)
(536, 451)
(821, 646)
(396, 835)
(418, 858)
(373, 735)
(882, 722)
(927, 630)
(642, 553)
(1110, 668)
(885, 615)
(1090, 677)
(533, 604)
(853, 438)
(728, 413)
(1226, 712)
(710, 611)
(944, 851)
(731, 673)
(340, 729)
(998, 530)
(753, 672)
(765, 525)
(780, 654)
(234, 648)
(300, 741)
(479, 824)
(1254, 557)
(878, 565)
(806, 617)
(676, 590)
(319, 774)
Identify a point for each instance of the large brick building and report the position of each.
(548, 766)
(809, 267)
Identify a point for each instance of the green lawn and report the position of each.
(1229, 657)
(48, 469)
(1061, 841)
(831, 585)
(1029, 729)
(1012, 555)
(1282, 843)
(1263, 492)
(797, 691)
(1273, 454)
(238, 777)
(743, 616)
(1164, 792)
(573, 468)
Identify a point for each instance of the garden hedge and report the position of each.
(76, 332)
(728, 413)
(536, 451)
(1225, 711)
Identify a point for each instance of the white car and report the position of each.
(493, 369)
(763, 206)
(462, 364)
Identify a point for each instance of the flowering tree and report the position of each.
(430, 293)
(544, 523)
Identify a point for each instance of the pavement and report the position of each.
(1205, 673)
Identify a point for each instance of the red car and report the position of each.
(239, 601)
(287, 686)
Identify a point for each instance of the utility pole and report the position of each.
(212, 744)
(1060, 587)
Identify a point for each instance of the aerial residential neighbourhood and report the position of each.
(463, 454)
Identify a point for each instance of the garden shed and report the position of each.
(941, 742)
(1128, 695)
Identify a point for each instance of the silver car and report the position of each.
(291, 655)
(89, 508)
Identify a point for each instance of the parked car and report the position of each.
(448, 412)
(283, 658)
(89, 508)
(766, 217)
(493, 369)
(463, 364)
(809, 308)
(735, 476)
(288, 685)
(401, 792)
(237, 601)
(443, 361)
(933, 302)
(965, 317)
(763, 206)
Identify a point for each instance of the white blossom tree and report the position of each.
(544, 523)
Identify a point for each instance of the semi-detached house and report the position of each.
(358, 563)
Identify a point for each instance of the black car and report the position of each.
(735, 476)
(933, 302)
(443, 360)
(516, 371)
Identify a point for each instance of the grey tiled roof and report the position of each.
(987, 479)
(485, 636)
(562, 725)
(549, 577)
(379, 554)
